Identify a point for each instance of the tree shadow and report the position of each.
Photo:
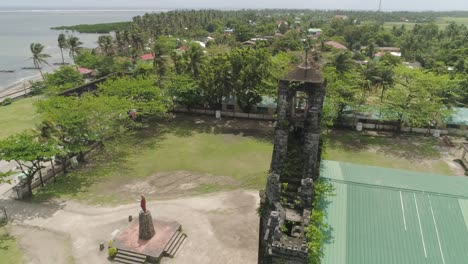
(113, 158)
(5, 240)
(27, 210)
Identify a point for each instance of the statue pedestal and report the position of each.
(146, 227)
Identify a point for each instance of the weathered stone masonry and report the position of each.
(286, 204)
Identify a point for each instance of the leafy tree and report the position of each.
(88, 59)
(65, 78)
(283, 28)
(343, 89)
(243, 32)
(216, 80)
(62, 44)
(141, 93)
(290, 41)
(184, 91)
(79, 122)
(251, 76)
(414, 99)
(38, 57)
(28, 153)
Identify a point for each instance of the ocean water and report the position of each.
(19, 28)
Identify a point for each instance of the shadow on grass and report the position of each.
(5, 241)
(407, 146)
(113, 158)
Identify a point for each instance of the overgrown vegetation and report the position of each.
(96, 28)
(318, 230)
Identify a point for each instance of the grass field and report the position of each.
(9, 251)
(205, 156)
(18, 116)
(219, 161)
(414, 153)
(442, 22)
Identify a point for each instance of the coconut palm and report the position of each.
(38, 57)
(105, 44)
(159, 61)
(342, 61)
(62, 44)
(194, 58)
(74, 46)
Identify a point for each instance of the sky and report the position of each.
(387, 5)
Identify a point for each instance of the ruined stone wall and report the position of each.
(277, 242)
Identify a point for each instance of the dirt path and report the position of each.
(221, 227)
(43, 246)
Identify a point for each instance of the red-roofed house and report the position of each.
(146, 57)
(183, 48)
(84, 71)
(336, 45)
(341, 17)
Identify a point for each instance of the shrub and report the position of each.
(112, 251)
(7, 101)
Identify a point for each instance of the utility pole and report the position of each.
(380, 5)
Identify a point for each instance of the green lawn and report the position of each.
(241, 156)
(18, 116)
(442, 22)
(180, 145)
(409, 152)
(9, 251)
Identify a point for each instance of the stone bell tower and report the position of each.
(286, 203)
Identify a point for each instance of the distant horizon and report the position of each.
(167, 8)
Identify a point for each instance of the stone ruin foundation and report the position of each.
(286, 203)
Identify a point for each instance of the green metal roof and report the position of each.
(459, 117)
(381, 215)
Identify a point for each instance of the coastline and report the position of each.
(18, 88)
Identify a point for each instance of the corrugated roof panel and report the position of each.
(401, 179)
(335, 249)
(375, 223)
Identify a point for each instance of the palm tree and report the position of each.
(159, 61)
(74, 46)
(342, 61)
(62, 44)
(38, 57)
(194, 58)
(105, 44)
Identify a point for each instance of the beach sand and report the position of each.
(19, 88)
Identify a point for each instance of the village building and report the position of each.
(335, 45)
(386, 216)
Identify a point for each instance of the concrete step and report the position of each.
(178, 244)
(171, 241)
(174, 243)
(120, 259)
(128, 257)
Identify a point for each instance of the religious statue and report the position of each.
(143, 203)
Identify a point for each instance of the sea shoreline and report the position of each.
(19, 88)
